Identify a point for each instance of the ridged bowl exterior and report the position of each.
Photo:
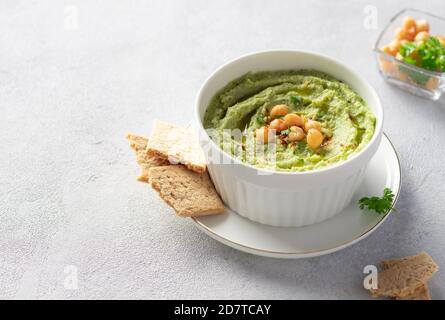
(286, 199)
(284, 207)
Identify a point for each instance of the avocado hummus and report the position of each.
(243, 107)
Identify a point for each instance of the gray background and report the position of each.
(68, 194)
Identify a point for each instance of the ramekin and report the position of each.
(286, 199)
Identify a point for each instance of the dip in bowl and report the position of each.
(301, 120)
(275, 178)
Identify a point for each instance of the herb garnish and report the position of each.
(379, 205)
(296, 100)
(286, 132)
(260, 119)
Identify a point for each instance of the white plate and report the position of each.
(341, 231)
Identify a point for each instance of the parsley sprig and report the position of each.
(296, 100)
(428, 54)
(260, 119)
(378, 204)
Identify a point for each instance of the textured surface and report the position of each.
(68, 195)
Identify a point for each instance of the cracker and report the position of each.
(145, 161)
(402, 277)
(421, 293)
(191, 194)
(178, 145)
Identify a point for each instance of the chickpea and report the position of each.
(389, 50)
(293, 119)
(386, 49)
(278, 125)
(402, 75)
(423, 35)
(394, 47)
(408, 23)
(422, 25)
(410, 34)
(279, 110)
(405, 34)
(312, 124)
(295, 134)
(314, 139)
(263, 135)
(401, 34)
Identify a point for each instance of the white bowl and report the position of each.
(286, 199)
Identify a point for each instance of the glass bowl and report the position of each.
(416, 80)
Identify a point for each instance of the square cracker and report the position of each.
(405, 277)
(191, 194)
(145, 161)
(178, 145)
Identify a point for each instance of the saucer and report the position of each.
(336, 233)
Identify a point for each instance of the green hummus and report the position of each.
(347, 123)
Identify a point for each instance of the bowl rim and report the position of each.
(392, 58)
(375, 138)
